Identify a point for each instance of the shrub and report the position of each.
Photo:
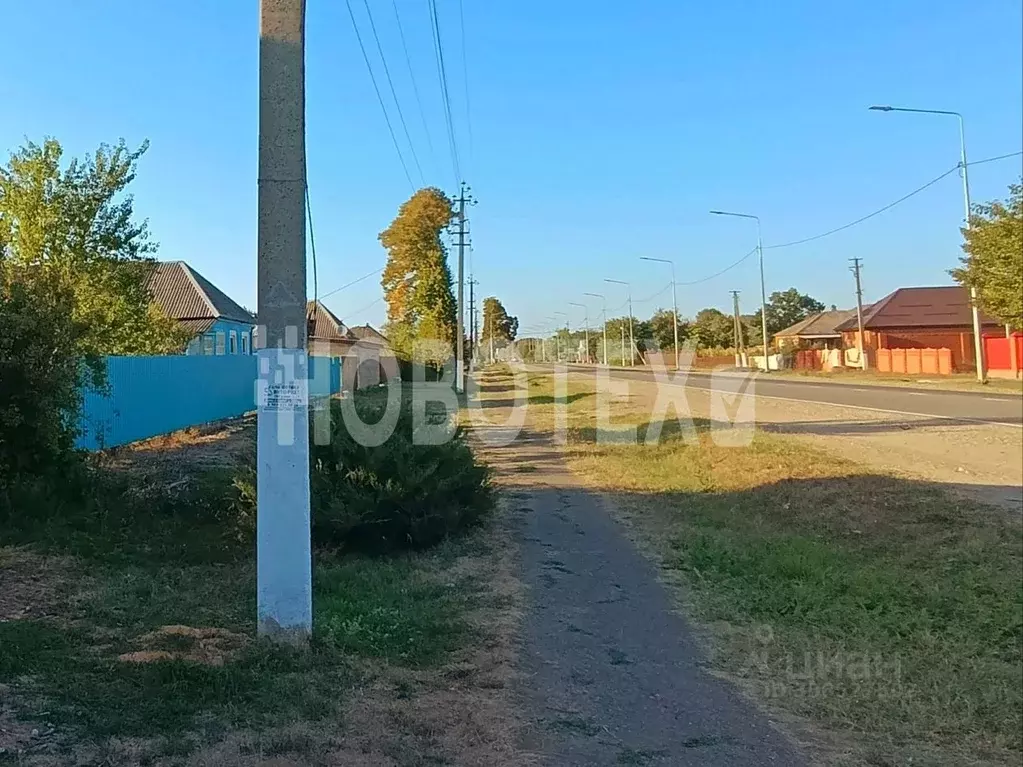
(396, 496)
(40, 399)
(399, 495)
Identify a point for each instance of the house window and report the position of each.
(234, 342)
(194, 346)
(245, 343)
(207, 345)
(221, 342)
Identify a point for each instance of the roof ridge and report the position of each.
(202, 293)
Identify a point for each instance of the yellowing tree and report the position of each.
(417, 281)
(72, 228)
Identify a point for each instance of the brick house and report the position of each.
(922, 318)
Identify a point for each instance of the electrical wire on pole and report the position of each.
(412, 77)
(438, 49)
(394, 94)
(380, 98)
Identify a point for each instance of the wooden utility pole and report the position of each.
(855, 269)
(283, 550)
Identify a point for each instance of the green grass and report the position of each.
(879, 608)
(139, 557)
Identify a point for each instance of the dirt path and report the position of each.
(611, 675)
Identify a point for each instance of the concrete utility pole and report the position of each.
(632, 340)
(586, 326)
(855, 269)
(460, 324)
(763, 286)
(603, 313)
(472, 320)
(623, 345)
(737, 324)
(283, 550)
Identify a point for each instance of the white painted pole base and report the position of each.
(283, 545)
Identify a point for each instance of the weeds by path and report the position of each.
(882, 613)
(139, 647)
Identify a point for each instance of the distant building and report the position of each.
(218, 324)
(363, 345)
(818, 331)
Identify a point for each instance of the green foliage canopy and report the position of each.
(993, 263)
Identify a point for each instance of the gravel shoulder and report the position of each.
(979, 461)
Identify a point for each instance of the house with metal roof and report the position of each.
(922, 318)
(218, 323)
(817, 331)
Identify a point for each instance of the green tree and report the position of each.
(497, 322)
(417, 281)
(661, 329)
(72, 229)
(714, 329)
(993, 263)
(786, 308)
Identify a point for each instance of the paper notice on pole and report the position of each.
(285, 396)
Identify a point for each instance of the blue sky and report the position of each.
(601, 131)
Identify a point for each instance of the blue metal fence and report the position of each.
(149, 396)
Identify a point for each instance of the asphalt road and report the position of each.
(975, 407)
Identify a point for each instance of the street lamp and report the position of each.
(674, 305)
(557, 338)
(977, 341)
(632, 341)
(586, 326)
(604, 313)
(763, 289)
(568, 328)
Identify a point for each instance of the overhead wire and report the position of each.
(860, 220)
(412, 77)
(353, 282)
(438, 50)
(394, 94)
(891, 205)
(465, 78)
(380, 99)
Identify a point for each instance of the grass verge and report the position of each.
(882, 613)
(126, 633)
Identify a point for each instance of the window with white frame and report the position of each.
(194, 346)
(207, 345)
(233, 340)
(221, 342)
(245, 343)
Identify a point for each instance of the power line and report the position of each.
(718, 274)
(438, 49)
(992, 159)
(372, 77)
(877, 212)
(412, 76)
(651, 298)
(353, 282)
(370, 305)
(465, 78)
(891, 205)
(394, 94)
